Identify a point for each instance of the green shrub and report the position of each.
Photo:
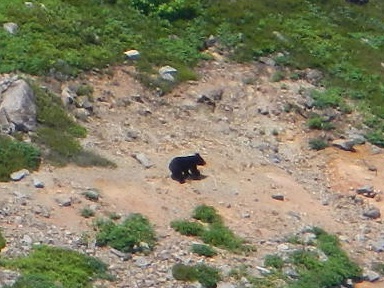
(87, 212)
(327, 273)
(376, 138)
(126, 236)
(328, 98)
(274, 261)
(318, 144)
(57, 267)
(206, 275)
(188, 228)
(206, 214)
(16, 155)
(183, 272)
(203, 250)
(35, 281)
(2, 241)
(317, 122)
(215, 234)
(277, 76)
(221, 236)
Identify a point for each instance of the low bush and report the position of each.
(206, 214)
(328, 273)
(206, 275)
(48, 267)
(203, 250)
(317, 144)
(215, 233)
(16, 155)
(274, 261)
(317, 122)
(87, 212)
(188, 228)
(2, 241)
(127, 235)
(221, 236)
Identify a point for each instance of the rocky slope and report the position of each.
(261, 175)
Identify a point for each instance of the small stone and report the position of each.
(372, 213)
(18, 175)
(278, 197)
(143, 160)
(370, 275)
(123, 256)
(37, 183)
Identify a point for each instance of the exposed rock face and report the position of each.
(18, 107)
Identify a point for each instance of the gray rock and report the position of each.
(378, 246)
(142, 262)
(123, 256)
(37, 183)
(225, 285)
(68, 95)
(132, 54)
(267, 61)
(346, 145)
(11, 27)
(18, 175)
(366, 191)
(279, 197)
(370, 275)
(64, 200)
(372, 213)
(168, 73)
(143, 160)
(19, 104)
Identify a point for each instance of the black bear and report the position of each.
(185, 166)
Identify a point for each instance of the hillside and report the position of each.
(251, 155)
(284, 103)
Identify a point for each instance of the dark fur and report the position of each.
(185, 166)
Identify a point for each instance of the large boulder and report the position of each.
(18, 107)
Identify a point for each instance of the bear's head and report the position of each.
(199, 160)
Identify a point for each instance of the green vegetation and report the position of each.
(58, 133)
(318, 144)
(206, 214)
(203, 250)
(188, 228)
(321, 264)
(52, 267)
(87, 212)
(317, 122)
(126, 236)
(215, 233)
(3, 242)
(16, 155)
(206, 275)
(274, 261)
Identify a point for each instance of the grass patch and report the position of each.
(87, 212)
(127, 235)
(3, 242)
(188, 228)
(317, 122)
(203, 250)
(48, 266)
(215, 233)
(207, 276)
(206, 214)
(317, 144)
(328, 273)
(16, 155)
